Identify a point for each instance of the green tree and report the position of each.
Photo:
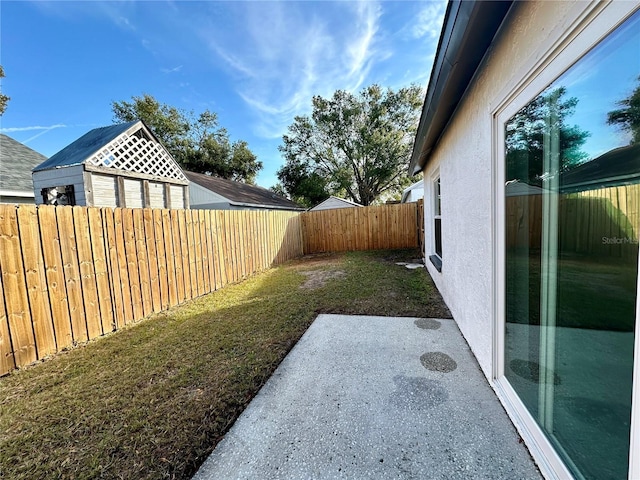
(302, 184)
(3, 98)
(352, 145)
(197, 143)
(628, 115)
(525, 137)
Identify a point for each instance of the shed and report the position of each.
(16, 162)
(334, 202)
(208, 192)
(413, 193)
(122, 165)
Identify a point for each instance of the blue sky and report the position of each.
(256, 64)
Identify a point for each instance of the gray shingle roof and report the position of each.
(619, 166)
(241, 193)
(77, 152)
(16, 162)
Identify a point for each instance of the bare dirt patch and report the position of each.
(318, 260)
(319, 278)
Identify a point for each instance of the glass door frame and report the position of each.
(589, 24)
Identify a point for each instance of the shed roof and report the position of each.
(16, 162)
(242, 194)
(347, 203)
(127, 147)
(419, 185)
(77, 152)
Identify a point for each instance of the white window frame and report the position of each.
(586, 25)
(436, 200)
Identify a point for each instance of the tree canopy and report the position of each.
(196, 142)
(3, 98)
(357, 146)
(627, 116)
(525, 134)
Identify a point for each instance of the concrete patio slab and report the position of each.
(374, 397)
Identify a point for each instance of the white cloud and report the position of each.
(29, 128)
(32, 128)
(428, 21)
(171, 70)
(284, 53)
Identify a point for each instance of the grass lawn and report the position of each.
(152, 400)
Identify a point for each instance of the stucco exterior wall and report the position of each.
(464, 159)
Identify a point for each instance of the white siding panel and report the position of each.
(177, 196)
(58, 177)
(156, 195)
(133, 193)
(105, 190)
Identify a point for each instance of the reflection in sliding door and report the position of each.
(571, 266)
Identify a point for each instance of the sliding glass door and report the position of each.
(572, 223)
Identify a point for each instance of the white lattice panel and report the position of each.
(133, 154)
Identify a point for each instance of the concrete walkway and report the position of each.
(374, 398)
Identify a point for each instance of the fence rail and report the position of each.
(369, 228)
(71, 274)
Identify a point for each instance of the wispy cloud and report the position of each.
(171, 70)
(42, 131)
(428, 21)
(282, 55)
(32, 127)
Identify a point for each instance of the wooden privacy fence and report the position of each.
(367, 228)
(599, 222)
(71, 274)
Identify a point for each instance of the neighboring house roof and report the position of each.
(467, 33)
(334, 202)
(127, 147)
(407, 191)
(619, 166)
(242, 194)
(16, 161)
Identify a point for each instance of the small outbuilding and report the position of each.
(16, 162)
(413, 193)
(334, 202)
(214, 193)
(121, 165)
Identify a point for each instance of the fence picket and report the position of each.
(129, 284)
(114, 281)
(7, 361)
(36, 281)
(71, 270)
(143, 261)
(87, 273)
(133, 269)
(177, 256)
(163, 274)
(54, 273)
(152, 252)
(15, 288)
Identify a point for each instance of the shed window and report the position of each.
(61, 195)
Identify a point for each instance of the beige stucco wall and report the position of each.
(464, 159)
